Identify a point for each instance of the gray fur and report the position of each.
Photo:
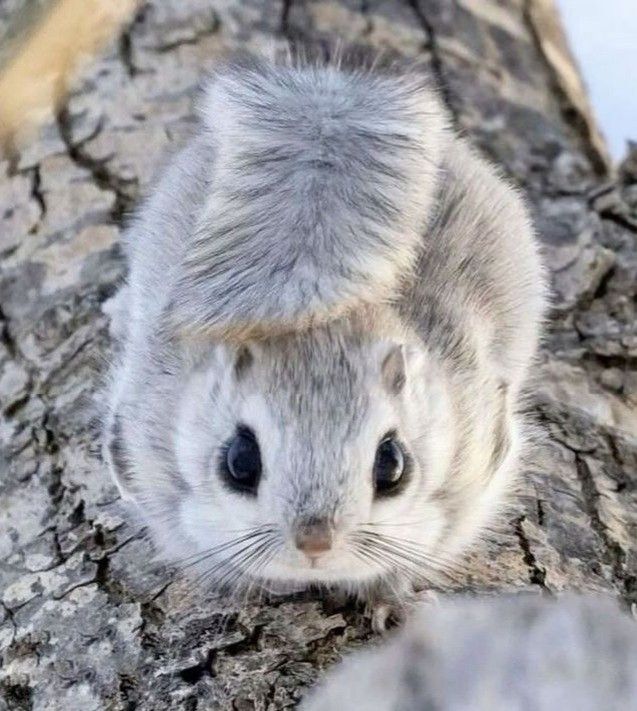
(494, 654)
(324, 263)
(311, 207)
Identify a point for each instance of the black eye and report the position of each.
(242, 465)
(389, 466)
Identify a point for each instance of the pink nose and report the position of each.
(314, 538)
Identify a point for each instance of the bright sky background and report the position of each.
(603, 37)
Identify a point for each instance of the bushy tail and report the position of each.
(322, 183)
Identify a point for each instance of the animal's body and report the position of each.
(331, 309)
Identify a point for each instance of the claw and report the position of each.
(380, 615)
(388, 612)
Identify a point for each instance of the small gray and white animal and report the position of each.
(331, 308)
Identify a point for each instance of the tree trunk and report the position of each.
(87, 621)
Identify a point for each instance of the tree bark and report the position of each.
(87, 621)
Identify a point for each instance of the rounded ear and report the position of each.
(236, 358)
(114, 454)
(501, 434)
(393, 369)
(243, 359)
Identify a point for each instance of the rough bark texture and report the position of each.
(86, 621)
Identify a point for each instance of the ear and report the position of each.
(236, 359)
(394, 370)
(501, 434)
(243, 359)
(115, 455)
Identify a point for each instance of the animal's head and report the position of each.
(307, 458)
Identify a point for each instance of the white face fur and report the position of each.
(315, 410)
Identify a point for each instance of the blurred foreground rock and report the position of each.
(495, 655)
(86, 620)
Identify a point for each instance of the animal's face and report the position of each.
(313, 459)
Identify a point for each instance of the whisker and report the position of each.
(391, 524)
(243, 562)
(416, 547)
(385, 561)
(250, 567)
(236, 558)
(242, 567)
(417, 559)
(204, 555)
(251, 575)
(219, 565)
(398, 549)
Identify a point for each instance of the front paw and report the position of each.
(387, 608)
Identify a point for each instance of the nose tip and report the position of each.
(314, 538)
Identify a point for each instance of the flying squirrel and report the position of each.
(331, 308)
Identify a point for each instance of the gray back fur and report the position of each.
(320, 185)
